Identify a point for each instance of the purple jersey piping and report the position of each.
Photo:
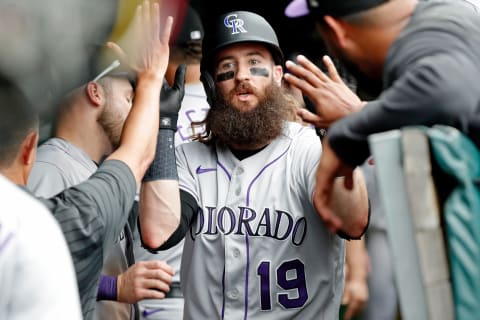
(223, 292)
(223, 276)
(225, 170)
(247, 242)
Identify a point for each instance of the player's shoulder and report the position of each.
(303, 141)
(63, 155)
(295, 130)
(49, 148)
(55, 149)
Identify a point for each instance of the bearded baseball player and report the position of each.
(255, 245)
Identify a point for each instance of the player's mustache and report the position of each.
(244, 87)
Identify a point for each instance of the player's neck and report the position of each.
(14, 175)
(244, 153)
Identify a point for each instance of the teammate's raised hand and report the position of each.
(332, 98)
(147, 54)
(147, 49)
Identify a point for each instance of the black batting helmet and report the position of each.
(231, 28)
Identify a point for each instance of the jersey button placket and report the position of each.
(234, 257)
(238, 172)
(236, 253)
(233, 294)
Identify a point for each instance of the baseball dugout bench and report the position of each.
(429, 185)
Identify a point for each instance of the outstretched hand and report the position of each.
(147, 53)
(332, 98)
(147, 49)
(171, 99)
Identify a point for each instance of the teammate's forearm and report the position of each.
(356, 259)
(139, 136)
(351, 206)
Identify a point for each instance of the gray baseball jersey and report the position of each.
(194, 108)
(257, 248)
(37, 280)
(91, 216)
(60, 165)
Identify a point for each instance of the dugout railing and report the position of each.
(428, 182)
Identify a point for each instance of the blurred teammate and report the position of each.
(34, 258)
(93, 213)
(88, 128)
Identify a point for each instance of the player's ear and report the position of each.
(337, 30)
(94, 93)
(278, 74)
(29, 148)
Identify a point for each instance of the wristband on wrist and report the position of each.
(107, 288)
(163, 166)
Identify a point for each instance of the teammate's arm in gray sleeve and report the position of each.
(423, 95)
(159, 196)
(189, 208)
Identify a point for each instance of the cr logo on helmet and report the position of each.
(231, 21)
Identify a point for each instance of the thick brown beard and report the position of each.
(112, 124)
(255, 127)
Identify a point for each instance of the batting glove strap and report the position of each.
(163, 166)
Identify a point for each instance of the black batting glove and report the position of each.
(171, 99)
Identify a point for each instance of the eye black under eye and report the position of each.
(225, 76)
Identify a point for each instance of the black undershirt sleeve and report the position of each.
(189, 209)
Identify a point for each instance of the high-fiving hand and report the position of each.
(147, 49)
(332, 98)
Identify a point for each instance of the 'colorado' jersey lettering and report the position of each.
(257, 249)
(275, 224)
